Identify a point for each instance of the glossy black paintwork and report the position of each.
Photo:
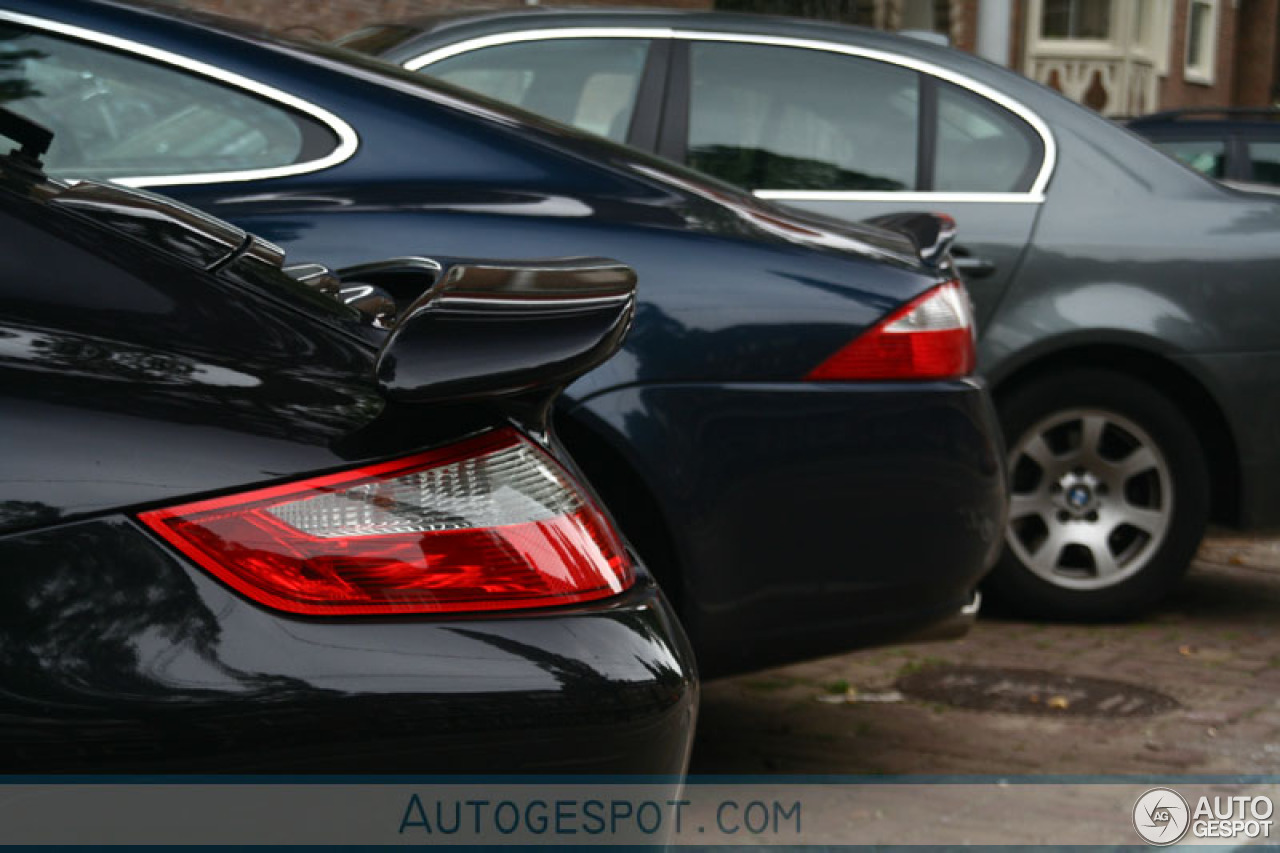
(868, 522)
(118, 656)
(131, 379)
(194, 237)
(737, 302)
(144, 381)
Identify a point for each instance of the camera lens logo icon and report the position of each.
(1161, 816)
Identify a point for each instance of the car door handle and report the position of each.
(970, 266)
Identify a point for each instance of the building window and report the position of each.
(1202, 40)
(1076, 19)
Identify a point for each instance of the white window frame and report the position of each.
(1206, 71)
(1034, 195)
(346, 144)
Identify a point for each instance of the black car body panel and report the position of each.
(812, 592)
(132, 378)
(737, 302)
(120, 657)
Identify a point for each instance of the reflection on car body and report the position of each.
(727, 435)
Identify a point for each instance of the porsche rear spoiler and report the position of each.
(489, 329)
(932, 233)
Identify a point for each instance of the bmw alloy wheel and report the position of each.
(1091, 499)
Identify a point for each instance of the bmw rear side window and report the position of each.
(117, 116)
(982, 147)
(587, 83)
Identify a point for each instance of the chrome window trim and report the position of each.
(879, 195)
(348, 140)
(1034, 195)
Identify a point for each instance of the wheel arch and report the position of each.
(1177, 383)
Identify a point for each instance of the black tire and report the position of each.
(1028, 408)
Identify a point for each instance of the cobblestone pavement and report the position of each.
(1214, 647)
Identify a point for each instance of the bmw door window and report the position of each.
(116, 115)
(588, 83)
(981, 147)
(780, 118)
(1204, 155)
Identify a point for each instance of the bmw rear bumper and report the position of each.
(817, 518)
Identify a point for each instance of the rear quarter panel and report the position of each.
(1134, 250)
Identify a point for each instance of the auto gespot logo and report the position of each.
(1162, 816)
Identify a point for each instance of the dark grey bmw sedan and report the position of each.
(1129, 308)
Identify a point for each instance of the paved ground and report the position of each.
(1214, 647)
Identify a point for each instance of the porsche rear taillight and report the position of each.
(931, 337)
(491, 523)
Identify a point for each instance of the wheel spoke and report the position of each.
(1091, 437)
(1140, 460)
(1104, 562)
(1050, 551)
(1149, 521)
(1031, 503)
(1039, 451)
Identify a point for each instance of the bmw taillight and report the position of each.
(490, 523)
(931, 337)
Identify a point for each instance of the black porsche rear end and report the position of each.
(247, 527)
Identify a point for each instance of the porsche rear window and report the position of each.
(115, 115)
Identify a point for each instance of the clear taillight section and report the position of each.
(931, 337)
(492, 523)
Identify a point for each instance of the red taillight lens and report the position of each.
(930, 337)
(492, 523)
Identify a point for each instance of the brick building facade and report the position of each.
(1121, 57)
(1176, 90)
(331, 18)
(1151, 56)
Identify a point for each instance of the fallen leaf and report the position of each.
(886, 696)
(853, 696)
(1208, 655)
